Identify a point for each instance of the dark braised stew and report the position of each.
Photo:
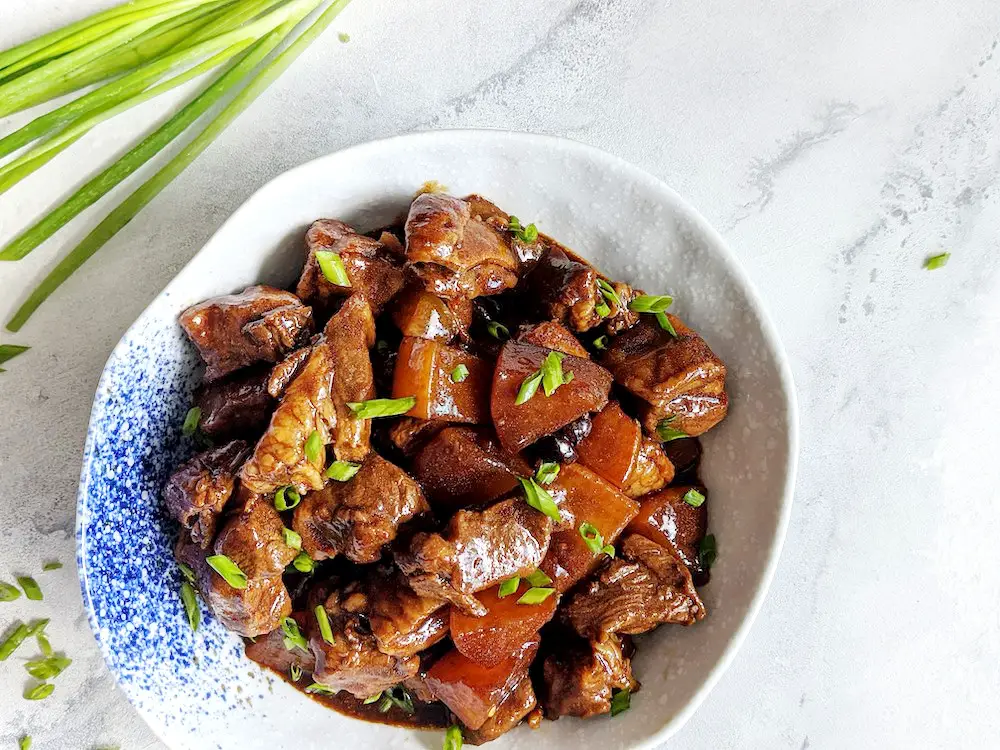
(446, 479)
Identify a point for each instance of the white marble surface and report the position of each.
(836, 143)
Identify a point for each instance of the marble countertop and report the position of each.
(835, 143)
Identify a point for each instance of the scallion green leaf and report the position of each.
(314, 447)
(191, 609)
(293, 636)
(318, 689)
(53, 565)
(30, 587)
(539, 579)
(324, 624)
(528, 234)
(708, 551)
(38, 626)
(536, 595)
(371, 699)
(191, 420)
(694, 498)
(594, 539)
(187, 572)
(229, 570)
(303, 563)
(609, 293)
(9, 593)
(552, 372)
(286, 498)
(539, 499)
(601, 343)
(621, 700)
(667, 433)
(547, 472)
(39, 692)
(15, 639)
(342, 471)
(602, 309)
(497, 330)
(508, 587)
(937, 261)
(24, 743)
(665, 324)
(529, 387)
(651, 303)
(48, 668)
(382, 407)
(295, 672)
(332, 266)
(292, 539)
(459, 374)
(453, 738)
(43, 644)
(9, 351)
(343, 37)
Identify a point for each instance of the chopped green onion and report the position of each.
(453, 738)
(343, 37)
(621, 700)
(403, 701)
(332, 266)
(24, 743)
(15, 639)
(324, 624)
(529, 387)
(54, 565)
(186, 572)
(229, 570)
(303, 563)
(601, 343)
(314, 447)
(547, 472)
(385, 705)
(650, 303)
(508, 587)
(286, 498)
(318, 689)
(43, 644)
(190, 602)
(371, 699)
(538, 579)
(459, 374)
(497, 330)
(9, 351)
(281, 21)
(9, 593)
(708, 551)
(39, 692)
(602, 309)
(665, 324)
(46, 669)
(552, 372)
(937, 261)
(694, 498)
(191, 420)
(526, 234)
(595, 540)
(536, 596)
(30, 587)
(342, 471)
(38, 626)
(293, 636)
(382, 407)
(609, 293)
(292, 539)
(667, 433)
(539, 499)
(295, 672)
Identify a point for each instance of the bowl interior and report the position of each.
(196, 689)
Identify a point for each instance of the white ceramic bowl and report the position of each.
(196, 690)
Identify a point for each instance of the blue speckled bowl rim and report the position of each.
(768, 333)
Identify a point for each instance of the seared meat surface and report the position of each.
(357, 518)
(259, 324)
(647, 586)
(458, 476)
(199, 489)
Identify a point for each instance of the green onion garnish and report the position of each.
(324, 624)
(665, 324)
(286, 498)
(602, 309)
(601, 343)
(186, 572)
(54, 565)
(595, 540)
(229, 570)
(526, 234)
(317, 689)
(497, 330)
(295, 672)
(650, 303)
(190, 602)
(609, 293)
(552, 373)
(708, 551)
(332, 266)
(539, 499)
(39, 692)
(292, 538)
(343, 37)
(459, 374)
(403, 701)
(15, 639)
(667, 433)
(9, 351)
(46, 669)
(30, 587)
(621, 700)
(293, 636)
(24, 743)
(508, 587)
(303, 563)
(538, 579)
(9, 593)
(547, 472)
(453, 738)
(937, 261)
(43, 644)
(371, 699)
(38, 626)
(342, 471)
(535, 595)
(529, 387)
(314, 447)
(694, 498)
(381, 407)
(191, 420)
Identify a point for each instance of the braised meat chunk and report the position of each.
(357, 518)
(337, 372)
(199, 489)
(579, 676)
(680, 380)
(235, 406)
(286, 371)
(270, 650)
(403, 622)
(373, 270)
(676, 518)
(259, 324)
(478, 549)
(508, 715)
(647, 586)
(254, 538)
